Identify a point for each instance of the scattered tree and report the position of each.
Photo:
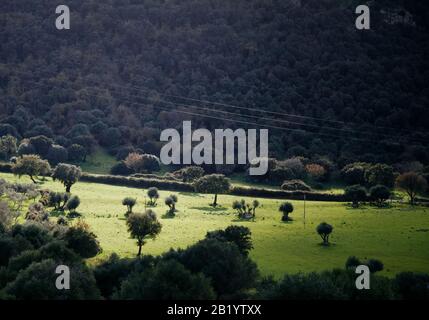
(379, 194)
(153, 195)
(214, 184)
(355, 194)
(32, 166)
(67, 174)
(171, 201)
(130, 203)
(412, 184)
(324, 230)
(286, 208)
(143, 226)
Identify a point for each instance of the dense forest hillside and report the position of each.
(128, 69)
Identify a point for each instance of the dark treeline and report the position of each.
(295, 57)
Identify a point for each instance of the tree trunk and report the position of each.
(140, 251)
(68, 188)
(32, 179)
(215, 200)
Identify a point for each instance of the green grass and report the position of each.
(398, 236)
(98, 162)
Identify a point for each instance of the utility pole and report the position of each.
(304, 210)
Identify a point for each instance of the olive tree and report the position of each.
(412, 184)
(153, 195)
(324, 230)
(214, 184)
(143, 226)
(355, 194)
(31, 165)
(130, 203)
(286, 208)
(67, 174)
(171, 201)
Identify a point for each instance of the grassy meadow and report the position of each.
(398, 236)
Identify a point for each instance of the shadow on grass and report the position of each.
(242, 220)
(191, 194)
(74, 214)
(57, 213)
(210, 208)
(168, 215)
(327, 246)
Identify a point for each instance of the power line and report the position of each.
(224, 119)
(267, 112)
(262, 118)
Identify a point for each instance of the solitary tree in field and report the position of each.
(32, 166)
(153, 195)
(171, 201)
(286, 208)
(130, 203)
(324, 230)
(68, 174)
(143, 226)
(412, 184)
(214, 184)
(355, 194)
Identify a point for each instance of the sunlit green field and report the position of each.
(398, 236)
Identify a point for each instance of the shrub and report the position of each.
(244, 210)
(355, 194)
(379, 194)
(57, 154)
(130, 203)
(36, 212)
(239, 235)
(171, 201)
(412, 286)
(73, 203)
(352, 262)
(153, 195)
(37, 282)
(167, 280)
(121, 168)
(142, 163)
(374, 265)
(354, 173)
(82, 241)
(231, 272)
(316, 171)
(295, 185)
(190, 174)
(77, 153)
(286, 208)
